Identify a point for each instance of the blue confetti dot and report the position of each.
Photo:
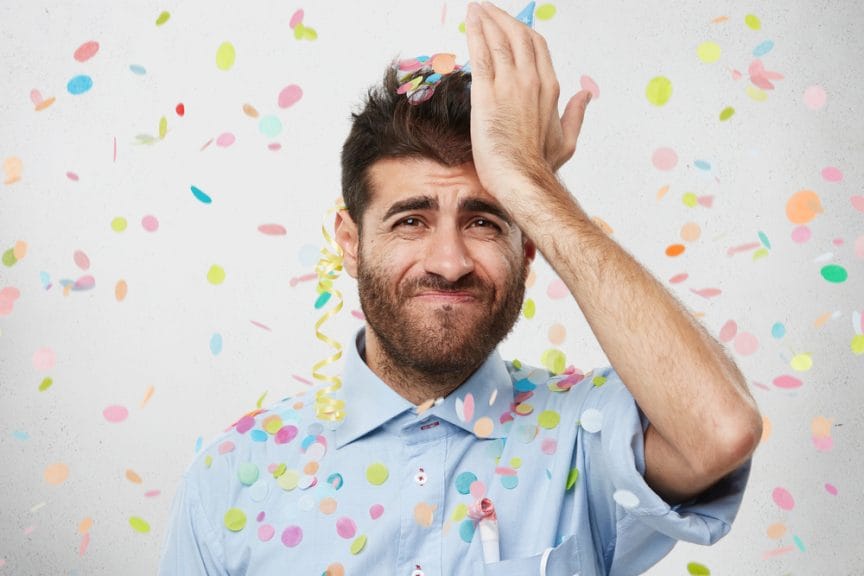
(322, 300)
(216, 344)
(198, 442)
(335, 480)
(270, 126)
(509, 482)
(702, 165)
(307, 441)
(524, 385)
(258, 435)
(778, 330)
(136, 69)
(763, 48)
(79, 84)
(466, 530)
(201, 196)
(21, 435)
(764, 239)
(798, 542)
(464, 481)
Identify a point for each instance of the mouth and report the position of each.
(446, 297)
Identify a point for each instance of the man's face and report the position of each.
(441, 268)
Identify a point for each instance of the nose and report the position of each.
(447, 255)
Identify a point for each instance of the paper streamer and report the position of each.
(328, 268)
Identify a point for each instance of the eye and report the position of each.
(410, 221)
(485, 223)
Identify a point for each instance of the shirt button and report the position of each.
(420, 478)
(418, 571)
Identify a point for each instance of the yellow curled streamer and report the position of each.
(328, 268)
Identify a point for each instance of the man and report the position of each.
(449, 460)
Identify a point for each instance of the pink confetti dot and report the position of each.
(787, 382)
(588, 83)
(815, 97)
(783, 498)
(549, 446)
(557, 290)
(728, 331)
(44, 359)
(296, 19)
(292, 536)
(857, 203)
(801, 234)
(115, 413)
(664, 159)
(346, 528)
(266, 532)
(375, 511)
(225, 139)
(477, 489)
(859, 245)
(832, 174)
(152, 493)
(86, 51)
(244, 424)
(81, 260)
(274, 146)
(823, 444)
(290, 95)
(272, 229)
(72, 176)
(746, 344)
(226, 447)
(150, 223)
(831, 489)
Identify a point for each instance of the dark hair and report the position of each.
(389, 126)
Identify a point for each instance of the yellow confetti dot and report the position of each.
(235, 519)
(690, 199)
(358, 544)
(554, 360)
(524, 409)
(289, 480)
(119, 224)
(857, 344)
(659, 90)
(272, 424)
(163, 127)
(548, 419)
(225, 56)
(696, 569)
(545, 12)
(708, 52)
(139, 524)
(45, 384)
(516, 462)
(462, 27)
(377, 474)
(529, 308)
(216, 275)
(459, 512)
(757, 94)
(802, 362)
(752, 22)
(727, 113)
(163, 18)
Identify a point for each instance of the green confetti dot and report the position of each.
(834, 273)
(163, 127)
(554, 360)
(279, 470)
(708, 52)
(857, 344)
(377, 474)
(225, 56)
(119, 224)
(462, 27)
(516, 462)
(289, 480)
(247, 473)
(216, 275)
(572, 476)
(545, 12)
(163, 18)
(727, 113)
(690, 199)
(548, 419)
(358, 544)
(598, 381)
(9, 259)
(459, 512)
(659, 90)
(529, 308)
(46, 383)
(517, 364)
(139, 524)
(752, 22)
(208, 461)
(235, 519)
(696, 569)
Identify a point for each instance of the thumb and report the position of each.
(571, 120)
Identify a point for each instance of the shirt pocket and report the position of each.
(563, 560)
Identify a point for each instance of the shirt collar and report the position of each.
(370, 402)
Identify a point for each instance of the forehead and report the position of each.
(394, 179)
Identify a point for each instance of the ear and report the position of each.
(530, 249)
(348, 238)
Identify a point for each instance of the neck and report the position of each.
(415, 386)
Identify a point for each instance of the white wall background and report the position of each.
(155, 344)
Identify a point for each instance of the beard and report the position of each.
(443, 339)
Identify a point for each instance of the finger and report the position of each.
(516, 34)
(571, 120)
(503, 61)
(478, 49)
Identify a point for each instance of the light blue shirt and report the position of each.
(388, 491)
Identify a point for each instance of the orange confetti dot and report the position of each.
(803, 206)
(147, 395)
(557, 334)
(311, 468)
(767, 428)
(335, 569)
(443, 63)
(776, 530)
(85, 525)
(690, 232)
(297, 405)
(675, 250)
(56, 473)
(20, 249)
(483, 427)
(250, 111)
(662, 192)
(120, 290)
(133, 477)
(327, 506)
(821, 427)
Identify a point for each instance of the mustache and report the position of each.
(469, 283)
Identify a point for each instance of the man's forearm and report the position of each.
(693, 394)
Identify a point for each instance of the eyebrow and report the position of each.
(465, 205)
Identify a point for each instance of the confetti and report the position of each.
(659, 90)
(289, 96)
(79, 84)
(225, 56)
(86, 51)
(115, 413)
(56, 473)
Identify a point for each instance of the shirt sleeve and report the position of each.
(191, 545)
(634, 526)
